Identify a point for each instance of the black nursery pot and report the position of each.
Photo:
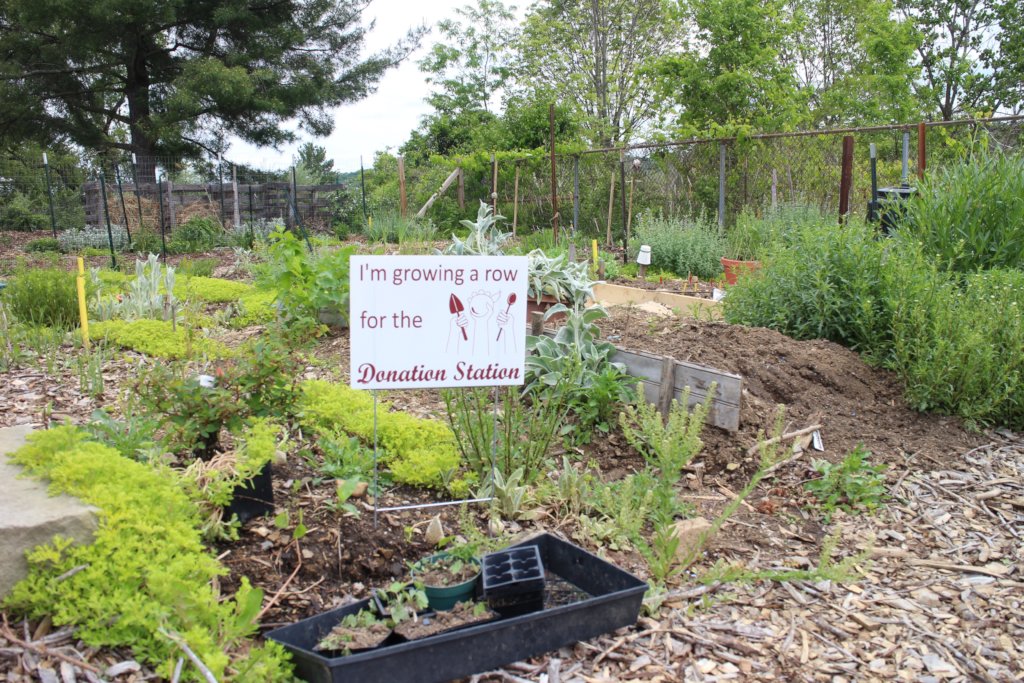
(607, 598)
(254, 498)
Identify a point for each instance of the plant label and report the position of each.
(437, 321)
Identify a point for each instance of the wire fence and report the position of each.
(599, 193)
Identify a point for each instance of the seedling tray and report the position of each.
(610, 598)
(513, 580)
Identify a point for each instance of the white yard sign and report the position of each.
(437, 321)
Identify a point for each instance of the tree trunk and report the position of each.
(137, 83)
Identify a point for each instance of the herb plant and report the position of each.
(853, 484)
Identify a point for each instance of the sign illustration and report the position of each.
(437, 321)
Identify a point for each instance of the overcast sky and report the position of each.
(385, 118)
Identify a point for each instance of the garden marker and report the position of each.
(83, 312)
(593, 248)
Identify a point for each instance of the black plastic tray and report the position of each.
(614, 602)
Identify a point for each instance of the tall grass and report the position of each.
(970, 216)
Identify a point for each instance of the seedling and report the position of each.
(850, 485)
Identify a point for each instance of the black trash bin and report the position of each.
(891, 207)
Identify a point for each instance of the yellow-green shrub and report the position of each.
(145, 571)
(156, 338)
(419, 452)
(255, 307)
(212, 290)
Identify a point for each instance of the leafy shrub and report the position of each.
(93, 237)
(144, 294)
(200, 267)
(147, 241)
(18, 214)
(255, 307)
(824, 282)
(43, 296)
(756, 232)
(970, 216)
(197, 234)
(418, 452)
(42, 245)
(957, 346)
(157, 339)
(566, 281)
(389, 226)
(849, 485)
(146, 577)
(689, 246)
(306, 282)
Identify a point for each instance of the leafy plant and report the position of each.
(305, 283)
(484, 237)
(568, 282)
(43, 244)
(684, 246)
(849, 485)
(157, 339)
(134, 435)
(14, 347)
(42, 296)
(197, 234)
(667, 445)
(149, 295)
(401, 602)
(391, 227)
(201, 267)
(93, 237)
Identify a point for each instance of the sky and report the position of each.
(385, 118)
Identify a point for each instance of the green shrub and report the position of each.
(93, 237)
(418, 452)
(43, 296)
(197, 234)
(200, 267)
(157, 338)
(145, 574)
(690, 246)
(255, 307)
(823, 282)
(147, 241)
(17, 213)
(970, 216)
(391, 227)
(755, 232)
(42, 245)
(850, 485)
(306, 282)
(958, 346)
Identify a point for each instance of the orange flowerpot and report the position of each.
(734, 267)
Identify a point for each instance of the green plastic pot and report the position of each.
(445, 597)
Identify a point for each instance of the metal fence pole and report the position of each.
(138, 195)
(575, 193)
(106, 214)
(49, 195)
(160, 202)
(220, 175)
(721, 185)
(120, 194)
(362, 186)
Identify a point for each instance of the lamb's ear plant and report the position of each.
(484, 238)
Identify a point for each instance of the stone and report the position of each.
(690, 533)
(29, 516)
(435, 532)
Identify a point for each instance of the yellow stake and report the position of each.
(83, 312)
(593, 247)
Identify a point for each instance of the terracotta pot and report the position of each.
(734, 267)
(546, 302)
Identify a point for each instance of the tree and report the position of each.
(959, 52)
(174, 78)
(313, 166)
(471, 64)
(854, 61)
(593, 55)
(732, 72)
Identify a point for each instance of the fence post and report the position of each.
(160, 203)
(106, 214)
(138, 195)
(49, 195)
(362, 186)
(721, 185)
(403, 205)
(515, 199)
(220, 176)
(775, 189)
(462, 188)
(252, 218)
(622, 201)
(295, 207)
(575, 193)
(845, 178)
(494, 183)
(921, 150)
(172, 222)
(554, 178)
(120, 195)
(234, 194)
(906, 158)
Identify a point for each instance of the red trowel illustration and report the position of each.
(456, 308)
(511, 300)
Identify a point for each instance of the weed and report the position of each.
(667, 445)
(849, 485)
(89, 365)
(843, 571)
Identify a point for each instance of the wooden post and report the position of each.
(494, 183)
(554, 178)
(611, 206)
(600, 269)
(515, 201)
(921, 150)
(462, 189)
(575, 193)
(440, 191)
(622, 200)
(721, 185)
(403, 205)
(536, 323)
(846, 178)
(775, 189)
(667, 389)
(234, 192)
(629, 217)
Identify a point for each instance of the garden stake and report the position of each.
(83, 311)
(49, 195)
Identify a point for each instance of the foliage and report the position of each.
(134, 435)
(261, 383)
(255, 307)
(211, 289)
(755, 233)
(200, 267)
(42, 296)
(419, 452)
(109, 82)
(18, 214)
(595, 404)
(668, 446)
(93, 237)
(14, 341)
(145, 294)
(849, 485)
(43, 244)
(970, 215)
(196, 234)
(313, 167)
(305, 283)
(344, 458)
(484, 239)
(145, 573)
(568, 282)
(691, 246)
(391, 227)
(157, 338)
(401, 602)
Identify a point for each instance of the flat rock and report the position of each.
(29, 516)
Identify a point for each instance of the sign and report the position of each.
(437, 321)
